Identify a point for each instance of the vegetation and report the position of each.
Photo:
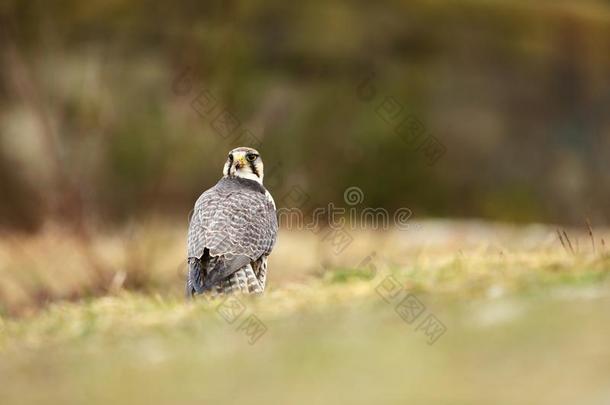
(515, 91)
(520, 313)
(116, 115)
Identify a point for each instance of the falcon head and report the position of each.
(244, 162)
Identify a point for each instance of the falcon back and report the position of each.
(232, 230)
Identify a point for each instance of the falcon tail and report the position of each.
(205, 273)
(223, 268)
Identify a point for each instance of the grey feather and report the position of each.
(233, 223)
(223, 269)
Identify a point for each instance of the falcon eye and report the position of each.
(231, 156)
(251, 157)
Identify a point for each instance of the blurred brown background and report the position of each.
(489, 119)
(96, 121)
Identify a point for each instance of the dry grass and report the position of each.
(149, 257)
(518, 310)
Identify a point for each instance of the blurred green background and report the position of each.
(96, 114)
(483, 117)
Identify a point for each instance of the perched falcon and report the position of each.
(232, 230)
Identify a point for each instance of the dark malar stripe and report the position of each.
(253, 168)
(230, 165)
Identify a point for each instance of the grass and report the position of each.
(526, 322)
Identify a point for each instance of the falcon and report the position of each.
(232, 230)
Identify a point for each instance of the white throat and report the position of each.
(244, 174)
(248, 175)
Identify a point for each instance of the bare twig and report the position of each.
(591, 234)
(565, 235)
(561, 240)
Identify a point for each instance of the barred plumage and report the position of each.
(232, 231)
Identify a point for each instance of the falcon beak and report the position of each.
(239, 163)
